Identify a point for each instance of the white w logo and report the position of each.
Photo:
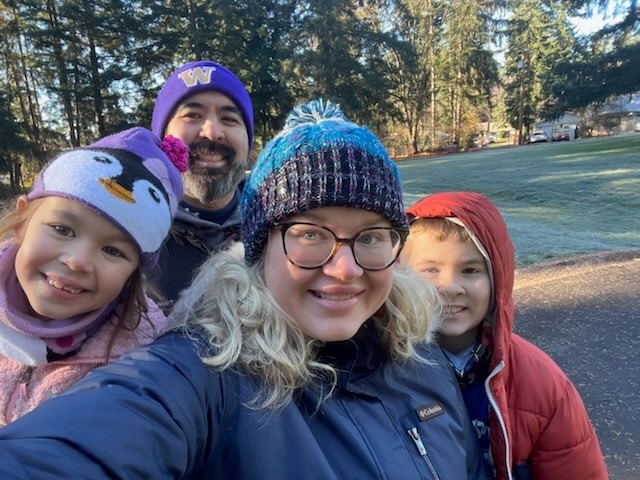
(196, 76)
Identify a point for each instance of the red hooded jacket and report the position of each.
(537, 414)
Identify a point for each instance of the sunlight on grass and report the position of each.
(569, 175)
(627, 182)
(557, 199)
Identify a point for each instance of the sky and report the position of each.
(584, 26)
(613, 13)
(587, 26)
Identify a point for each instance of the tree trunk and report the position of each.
(65, 90)
(95, 76)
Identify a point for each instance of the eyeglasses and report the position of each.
(310, 246)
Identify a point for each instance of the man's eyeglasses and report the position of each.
(310, 246)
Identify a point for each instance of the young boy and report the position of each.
(529, 417)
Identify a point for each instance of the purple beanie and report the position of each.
(197, 77)
(131, 178)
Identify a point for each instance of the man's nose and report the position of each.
(213, 129)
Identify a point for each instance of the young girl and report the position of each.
(309, 359)
(71, 282)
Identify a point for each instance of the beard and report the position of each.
(207, 184)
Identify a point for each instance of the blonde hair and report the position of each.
(133, 301)
(439, 228)
(13, 219)
(245, 326)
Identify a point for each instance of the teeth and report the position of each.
(60, 286)
(454, 309)
(336, 298)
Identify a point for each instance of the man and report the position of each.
(207, 107)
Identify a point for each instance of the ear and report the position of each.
(21, 204)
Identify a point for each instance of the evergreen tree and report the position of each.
(414, 61)
(601, 66)
(12, 146)
(470, 70)
(336, 49)
(533, 36)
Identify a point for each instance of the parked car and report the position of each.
(560, 136)
(483, 140)
(479, 141)
(539, 137)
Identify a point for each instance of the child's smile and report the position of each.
(72, 260)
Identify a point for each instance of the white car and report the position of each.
(539, 137)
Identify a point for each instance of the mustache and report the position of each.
(205, 146)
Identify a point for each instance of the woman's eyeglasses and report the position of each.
(310, 246)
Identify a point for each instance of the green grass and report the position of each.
(558, 199)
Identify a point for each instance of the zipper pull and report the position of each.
(415, 436)
(25, 376)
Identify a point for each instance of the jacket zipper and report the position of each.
(415, 436)
(496, 410)
(25, 378)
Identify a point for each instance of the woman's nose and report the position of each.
(342, 264)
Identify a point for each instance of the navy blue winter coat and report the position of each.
(159, 413)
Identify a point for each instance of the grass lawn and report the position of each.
(558, 199)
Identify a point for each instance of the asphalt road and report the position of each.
(585, 313)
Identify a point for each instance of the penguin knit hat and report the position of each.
(197, 77)
(319, 159)
(131, 178)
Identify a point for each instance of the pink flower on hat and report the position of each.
(177, 152)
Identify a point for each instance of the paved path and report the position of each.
(585, 313)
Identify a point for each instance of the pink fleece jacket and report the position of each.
(24, 387)
(26, 377)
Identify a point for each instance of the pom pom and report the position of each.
(177, 152)
(311, 113)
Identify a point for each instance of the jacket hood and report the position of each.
(480, 217)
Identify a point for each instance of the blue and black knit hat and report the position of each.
(319, 159)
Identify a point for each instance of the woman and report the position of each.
(308, 358)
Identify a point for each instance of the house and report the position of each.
(620, 114)
(563, 128)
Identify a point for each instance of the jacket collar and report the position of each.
(357, 357)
